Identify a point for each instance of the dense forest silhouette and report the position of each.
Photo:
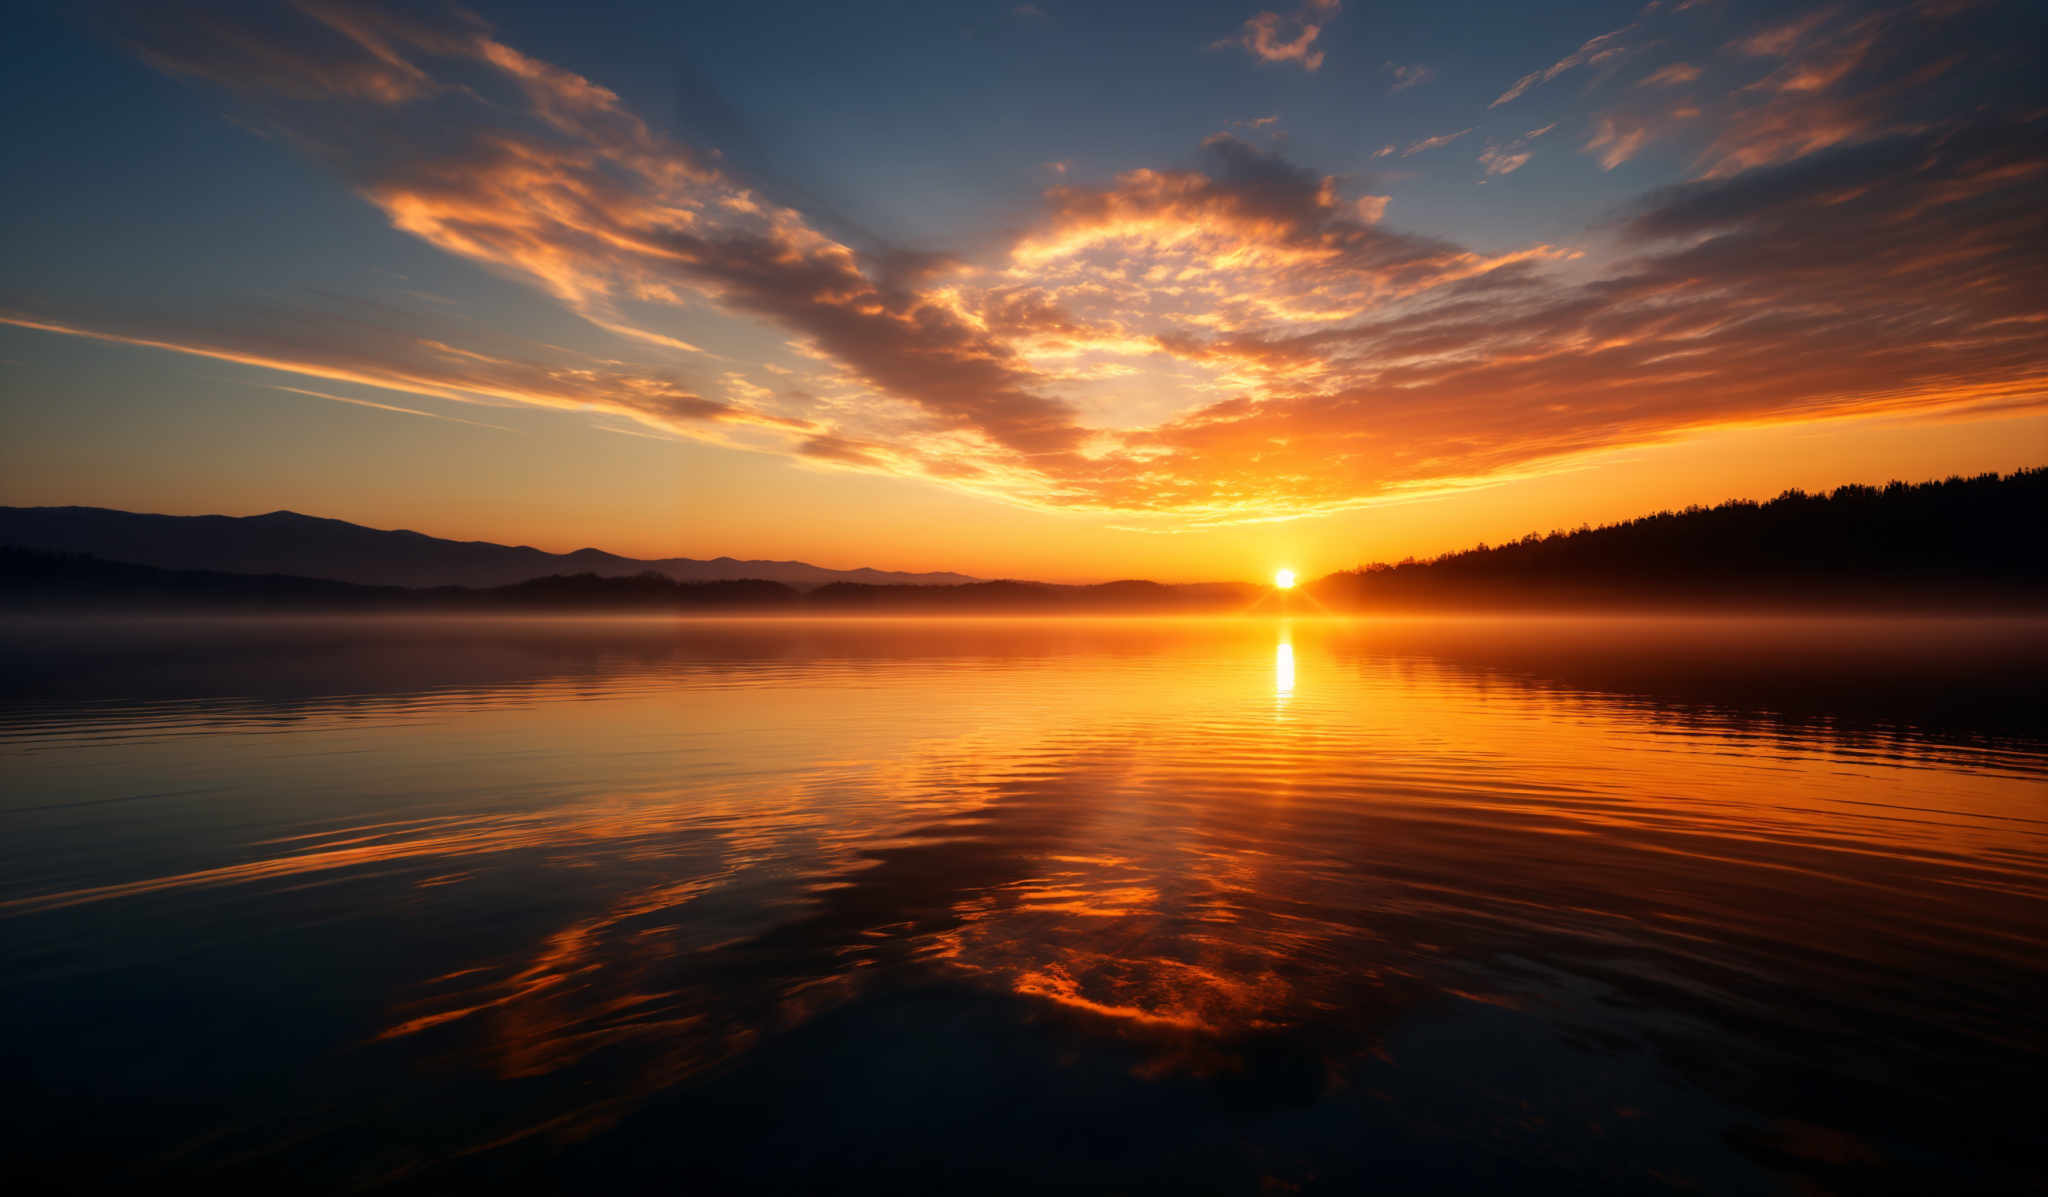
(1910, 541)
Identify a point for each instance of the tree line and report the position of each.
(1958, 535)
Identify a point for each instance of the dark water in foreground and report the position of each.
(1234, 906)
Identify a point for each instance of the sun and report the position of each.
(1284, 579)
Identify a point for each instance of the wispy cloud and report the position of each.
(1505, 158)
(433, 369)
(1672, 75)
(1829, 77)
(1594, 51)
(390, 407)
(1433, 143)
(1412, 75)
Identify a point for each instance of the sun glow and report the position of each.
(1284, 579)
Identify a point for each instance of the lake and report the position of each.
(1243, 906)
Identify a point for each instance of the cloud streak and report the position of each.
(1433, 143)
(390, 407)
(434, 370)
(1593, 52)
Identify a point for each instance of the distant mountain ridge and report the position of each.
(35, 580)
(285, 542)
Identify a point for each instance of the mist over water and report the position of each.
(1733, 905)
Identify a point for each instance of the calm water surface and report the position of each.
(1242, 906)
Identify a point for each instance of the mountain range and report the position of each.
(285, 542)
(31, 579)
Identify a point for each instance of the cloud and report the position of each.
(1617, 139)
(1508, 157)
(390, 407)
(1837, 81)
(276, 55)
(1237, 337)
(1270, 37)
(1785, 293)
(1406, 77)
(1593, 52)
(1830, 77)
(1503, 161)
(1673, 75)
(1249, 216)
(1433, 143)
(419, 365)
(1779, 40)
(559, 185)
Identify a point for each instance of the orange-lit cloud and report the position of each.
(1271, 37)
(1508, 157)
(1245, 338)
(1433, 143)
(1825, 78)
(1672, 75)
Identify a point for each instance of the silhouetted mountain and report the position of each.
(30, 578)
(34, 579)
(1037, 596)
(1965, 540)
(285, 542)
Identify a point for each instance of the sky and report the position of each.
(1065, 291)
